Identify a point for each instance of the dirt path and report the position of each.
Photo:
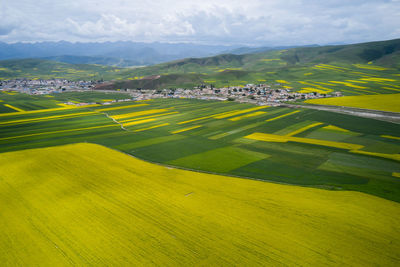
(114, 120)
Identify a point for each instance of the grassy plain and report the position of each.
(211, 136)
(57, 211)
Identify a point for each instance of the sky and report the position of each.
(230, 22)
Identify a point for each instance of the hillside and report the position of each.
(346, 65)
(47, 69)
(57, 211)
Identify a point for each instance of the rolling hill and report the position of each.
(346, 64)
(57, 211)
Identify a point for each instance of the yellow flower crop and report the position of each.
(283, 139)
(186, 129)
(284, 115)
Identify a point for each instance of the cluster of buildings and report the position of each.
(39, 87)
(253, 93)
(257, 94)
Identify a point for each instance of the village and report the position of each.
(41, 87)
(260, 94)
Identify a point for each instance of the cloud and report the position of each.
(257, 22)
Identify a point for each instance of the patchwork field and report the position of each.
(304, 147)
(57, 211)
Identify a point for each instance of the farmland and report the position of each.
(387, 102)
(292, 146)
(57, 211)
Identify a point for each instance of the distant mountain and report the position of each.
(47, 69)
(132, 52)
(109, 61)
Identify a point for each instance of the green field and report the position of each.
(303, 147)
(85, 204)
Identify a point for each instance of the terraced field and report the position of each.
(64, 206)
(302, 147)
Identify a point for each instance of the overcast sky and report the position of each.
(251, 22)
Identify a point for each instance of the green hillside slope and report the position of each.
(47, 69)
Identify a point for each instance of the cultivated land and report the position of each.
(64, 206)
(388, 102)
(293, 146)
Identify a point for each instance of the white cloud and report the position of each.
(256, 22)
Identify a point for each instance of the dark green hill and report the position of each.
(355, 53)
(295, 66)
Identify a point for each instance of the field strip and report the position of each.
(55, 117)
(241, 129)
(335, 128)
(148, 117)
(283, 139)
(196, 119)
(186, 129)
(139, 113)
(284, 115)
(396, 174)
(305, 128)
(234, 113)
(254, 114)
(390, 137)
(14, 108)
(392, 89)
(137, 122)
(151, 127)
(122, 107)
(60, 131)
(45, 110)
(381, 155)
(351, 92)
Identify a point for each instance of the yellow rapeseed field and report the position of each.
(48, 118)
(152, 127)
(305, 128)
(335, 128)
(59, 131)
(238, 112)
(148, 117)
(385, 102)
(138, 113)
(284, 115)
(137, 122)
(123, 107)
(84, 204)
(254, 114)
(186, 129)
(283, 139)
(14, 108)
(369, 67)
(391, 137)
